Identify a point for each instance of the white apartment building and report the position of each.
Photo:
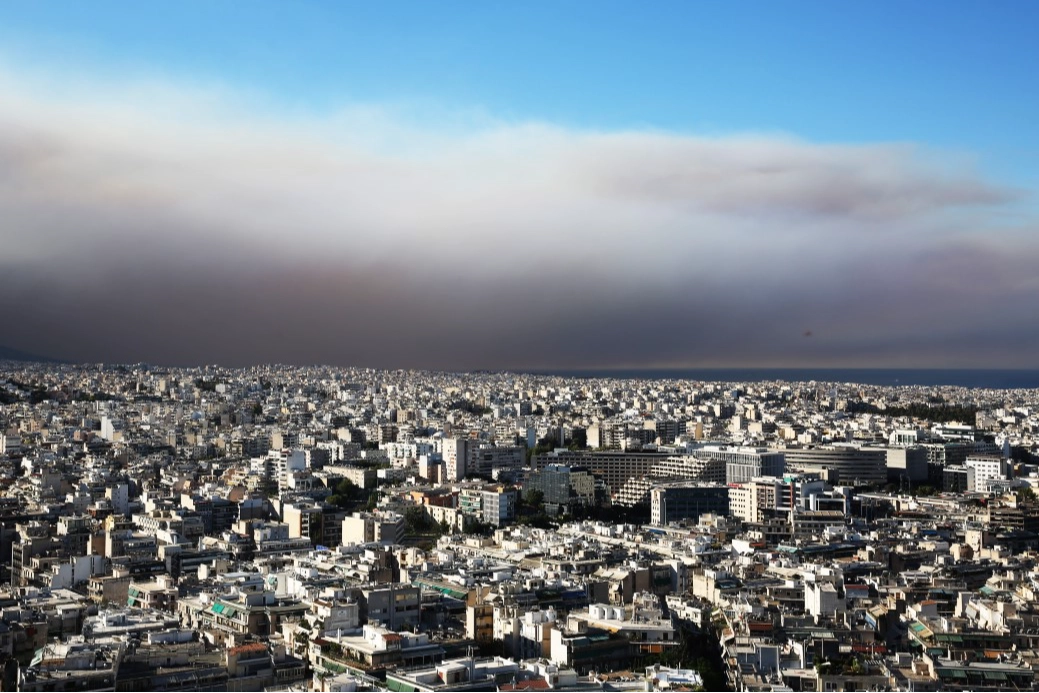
(986, 468)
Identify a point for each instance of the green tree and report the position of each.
(341, 502)
(373, 501)
(346, 488)
(534, 501)
(580, 439)
(302, 643)
(416, 521)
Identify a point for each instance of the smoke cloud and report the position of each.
(150, 222)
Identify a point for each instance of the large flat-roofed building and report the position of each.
(490, 461)
(687, 467)
(907, 464)
(987, 468)
(744, 463)
(563, 488)
(840, 464)
(684, 500)
(614, 468)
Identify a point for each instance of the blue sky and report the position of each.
(504, 185)
(958, 75)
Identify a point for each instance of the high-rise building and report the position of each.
(455, 452)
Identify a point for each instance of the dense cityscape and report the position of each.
(330, 529)
(669, 346)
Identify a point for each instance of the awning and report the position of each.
(951, 673)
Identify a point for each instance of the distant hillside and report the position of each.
(8, 354)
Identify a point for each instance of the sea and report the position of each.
(996, 379)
